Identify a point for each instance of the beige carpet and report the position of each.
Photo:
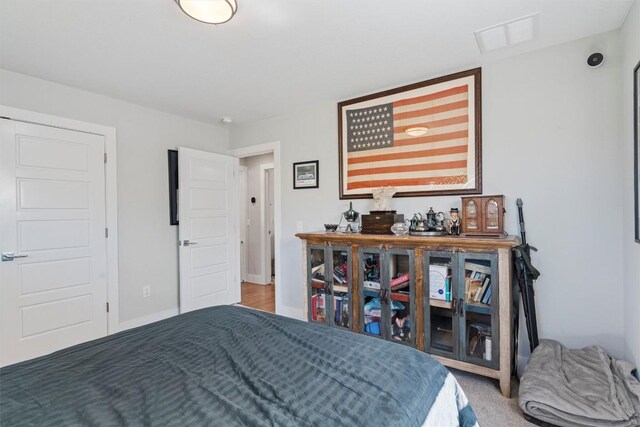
(491, 408)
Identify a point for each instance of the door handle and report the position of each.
(10, 256)
(188, 243)
(461, 307)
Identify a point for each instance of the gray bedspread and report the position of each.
(584, 387)
(228, 366)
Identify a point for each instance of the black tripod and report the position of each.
(526, 274)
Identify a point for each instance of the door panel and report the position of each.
(53, 210)
(209, 271)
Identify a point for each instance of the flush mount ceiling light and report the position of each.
(417, 131)
(209, 11)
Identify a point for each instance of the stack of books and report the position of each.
(478, 283)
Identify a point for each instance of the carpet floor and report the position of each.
(491, 408)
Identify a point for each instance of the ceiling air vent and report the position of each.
(508, 33)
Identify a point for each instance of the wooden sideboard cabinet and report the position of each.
(449, 296)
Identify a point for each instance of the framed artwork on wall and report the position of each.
(636, 148)
(305, 175)
(425, 139)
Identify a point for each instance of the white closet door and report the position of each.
(53, 274)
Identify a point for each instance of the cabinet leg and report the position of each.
(505, 385)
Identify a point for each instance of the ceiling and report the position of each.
(275, 56)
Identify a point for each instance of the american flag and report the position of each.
(380, 152)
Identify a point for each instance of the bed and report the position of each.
(233, 366)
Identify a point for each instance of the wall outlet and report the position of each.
(146, 291)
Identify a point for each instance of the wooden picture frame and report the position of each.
(636, 149)
(382, 139)
(306, 175)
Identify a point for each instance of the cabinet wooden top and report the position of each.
(323, 237)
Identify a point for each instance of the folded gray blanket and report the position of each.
(584, 387)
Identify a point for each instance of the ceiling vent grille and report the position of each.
(508, 33)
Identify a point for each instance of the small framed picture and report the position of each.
(305, 175)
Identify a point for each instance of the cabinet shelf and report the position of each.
(397, 296)
(440, 303)
(477, 307)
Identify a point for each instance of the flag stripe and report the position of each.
(407, 175)
(432, 138)
(433, 124)
(460, 179)
(409, 168)
(429, 104)
(431, 110)
(431, 96)
(415, 121)
(409, 154)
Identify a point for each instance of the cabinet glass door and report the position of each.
(478, 301)
(341, 280)
(317, 294)
(441, 309)
(399, 295)
(370, 261)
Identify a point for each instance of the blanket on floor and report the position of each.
(584, 387)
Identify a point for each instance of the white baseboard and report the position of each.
(258, 279)
(144, 320)
(295, 313)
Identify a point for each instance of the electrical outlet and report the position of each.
(146, 291)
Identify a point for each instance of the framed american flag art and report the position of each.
(423, 139)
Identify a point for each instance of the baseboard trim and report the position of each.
(257, 279)
(145, 320)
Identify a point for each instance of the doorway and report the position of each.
(259, 230)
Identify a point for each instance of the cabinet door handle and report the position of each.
(455, 307)
(461, 307)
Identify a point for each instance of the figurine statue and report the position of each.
(382, 197)
(454, 222)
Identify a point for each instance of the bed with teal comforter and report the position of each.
(232, 366)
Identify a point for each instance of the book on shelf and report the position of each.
(486, 299)
(478, 268)
(339, 279)
(400, 280)
(447, 289)
(438, 274)
(485, 284)
(368, 284)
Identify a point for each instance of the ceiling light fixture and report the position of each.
(417, 131)
(209, 11)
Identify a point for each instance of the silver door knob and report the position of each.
(10, 256)
(188, 243)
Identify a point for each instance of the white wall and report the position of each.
(551, 137)
(254, 251)
(148, 251)
(630, 41)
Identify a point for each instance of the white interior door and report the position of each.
(208, 229)
(53, 274)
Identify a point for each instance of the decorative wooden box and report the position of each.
(380, 222)
(483, 215)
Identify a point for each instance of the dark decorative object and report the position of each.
(352, 218)
(306, 175)
(483, 215)
(636, 146)
(424, 139)
(173, 186)
(380, 222)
